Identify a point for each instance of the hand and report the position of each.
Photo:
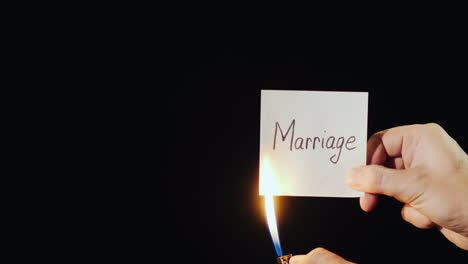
(318, 256)
(423, 167)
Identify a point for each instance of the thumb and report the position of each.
(318, 256)
(400, 184)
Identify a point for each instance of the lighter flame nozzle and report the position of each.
(284, 259)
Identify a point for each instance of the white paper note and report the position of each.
(309, 139)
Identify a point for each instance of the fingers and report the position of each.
(388, 142)
(368, 202)
(457, 239)
(318, 256)
(414, 217)
(400, 184)
(388, 148)
(395, 163)
(398, 142)
(376, 153)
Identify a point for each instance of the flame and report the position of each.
(269, 184)
(270, 188)
(271, 219)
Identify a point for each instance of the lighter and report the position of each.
(284, 259)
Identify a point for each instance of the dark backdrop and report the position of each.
(215, 213)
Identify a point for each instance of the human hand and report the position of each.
(318, 256)
(423, 167)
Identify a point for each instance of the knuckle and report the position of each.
(377, 136)
(317, 253)
(434, 128)
(433, 125)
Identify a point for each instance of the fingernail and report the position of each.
(353, 176)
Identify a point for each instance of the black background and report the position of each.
(215, 214)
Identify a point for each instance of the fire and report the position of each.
(271, 187)
(271, 219)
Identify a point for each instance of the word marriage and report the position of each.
(304, 143)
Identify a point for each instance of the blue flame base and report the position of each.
(278, 250)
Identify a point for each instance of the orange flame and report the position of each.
(270, 187)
